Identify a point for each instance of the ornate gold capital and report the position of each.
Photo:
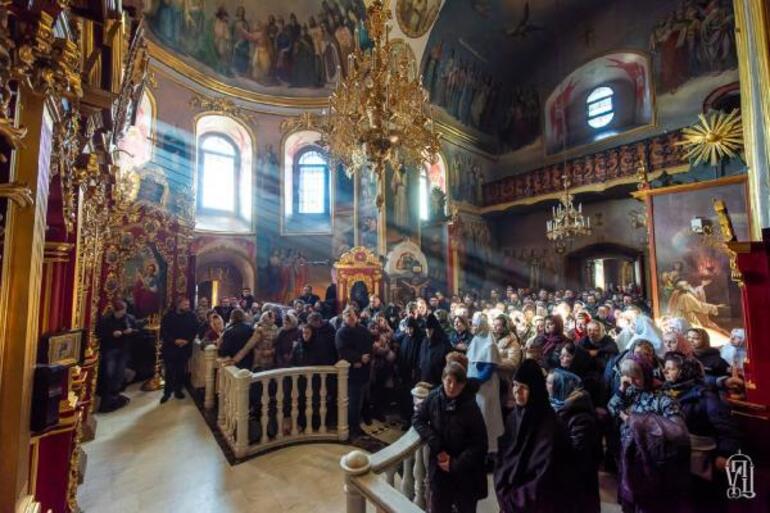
(19, 193)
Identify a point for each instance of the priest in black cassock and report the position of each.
(177, 332)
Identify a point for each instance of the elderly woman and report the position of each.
(483, 362)
(508, 345)
(213, 334)
(574, 407)
(552, 340)
(648, 483)
(675, 342)
(450, 422)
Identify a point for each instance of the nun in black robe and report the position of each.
(534, 465)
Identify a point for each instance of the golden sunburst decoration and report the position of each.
(717, 135)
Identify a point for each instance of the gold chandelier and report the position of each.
(379, 113)
(567, 222)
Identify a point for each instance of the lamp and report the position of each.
(379, 113)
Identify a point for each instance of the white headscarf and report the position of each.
(645, 329)
(732, 354)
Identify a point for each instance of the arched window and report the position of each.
(223, 175)
(311, 175)
(307, 186)
(600, 107)
(218, 174)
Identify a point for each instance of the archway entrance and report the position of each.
(603, 265)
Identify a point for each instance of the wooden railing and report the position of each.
(259, 411)
(393, 480)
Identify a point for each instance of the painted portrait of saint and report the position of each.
(416, 17)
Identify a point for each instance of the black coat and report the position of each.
(176, 325)
(352, 343)
(234, 339)
(108, 325)
(433, 358)
(409, 357)
(456, 427)
(456, 338)
(706, 415)
(713, 365)
(578, 415)
(533, 472)
(322, 350)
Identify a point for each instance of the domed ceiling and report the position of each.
(283, 48)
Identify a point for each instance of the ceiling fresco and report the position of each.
(288, 47)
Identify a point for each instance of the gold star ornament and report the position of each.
(716, 136)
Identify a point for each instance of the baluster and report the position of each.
(279, 407)
(322, 400)
(265, 406)
(354, 463)
(342, 400)
(242, 413)
(294, 405)
(222, 397)
(309, 403)
(407, 480)
(390, 475)
(209, 378)
(419, 479)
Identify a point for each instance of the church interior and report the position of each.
(384, 255)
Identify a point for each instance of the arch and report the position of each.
(225, 253)
(578, 261)
(243, 139)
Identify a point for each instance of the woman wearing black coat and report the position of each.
(450, 422)
(534, 471)
(573, 405)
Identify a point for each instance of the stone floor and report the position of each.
(163, 459)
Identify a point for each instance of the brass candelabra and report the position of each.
(156, 381)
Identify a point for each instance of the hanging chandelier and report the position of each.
(567, 222)
(379, 113)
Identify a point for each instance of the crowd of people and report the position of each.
(543, 388)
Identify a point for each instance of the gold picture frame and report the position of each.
(64, 348)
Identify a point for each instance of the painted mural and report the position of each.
(696, 38)
(294, 45)
(415, 17)
(367, 211)
(477, 99)
(144, 282)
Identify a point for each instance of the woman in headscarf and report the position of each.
(552, 339)
(645, 329)
(483, 362)
(450, 422)
(285, 339)
(461, 337)
(573, 405)
(510, 351)
(533, 472)
(648, 483)
(714, 367)
(675, 342)
(734, 353)
(714, 434)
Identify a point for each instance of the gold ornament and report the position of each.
(715, 137)
(379, 113)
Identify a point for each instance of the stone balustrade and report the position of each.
(393, 480)
(259, 411)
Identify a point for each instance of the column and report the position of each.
(752, 32)
(20, 292)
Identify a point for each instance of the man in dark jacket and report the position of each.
(450, 422)
(235, 337)
(433, 352)
(115, 331)
(322, 350)
(307, 296)
(354, 345)
(410, 347)
(177, 331)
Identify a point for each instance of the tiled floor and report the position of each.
(150, 458)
